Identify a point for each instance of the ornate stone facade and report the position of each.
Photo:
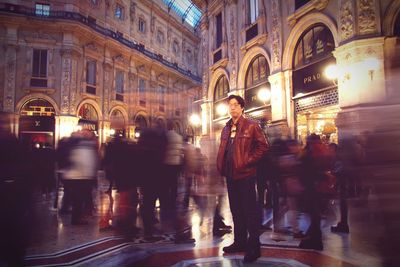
(346, 19)
(367, 17)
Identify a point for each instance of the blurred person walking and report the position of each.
(15, 197)
(242, 145)
(315, 164)
(81, 175)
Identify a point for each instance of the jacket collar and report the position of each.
(239, 122)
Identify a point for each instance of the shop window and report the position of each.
(88, 112)
(314, 45)
(397, 26)
(39, 68)
(220, 95)
(42, 10)
(257, 72)
(37, 107)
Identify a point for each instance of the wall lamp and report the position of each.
(195, 120)
(333, 73)
(264, 94)
(222, 109)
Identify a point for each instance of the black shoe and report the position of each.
(221, 232)
(252, 255)
(311, 244)
(340, 228)
(234, 248)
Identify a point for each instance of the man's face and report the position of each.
(235, 110)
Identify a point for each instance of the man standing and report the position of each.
(242, 146)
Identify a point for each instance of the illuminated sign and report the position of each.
(311, 78)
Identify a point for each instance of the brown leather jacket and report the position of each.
(250, 145)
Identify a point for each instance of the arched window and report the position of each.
(315, 44)
(220, 95)
(258, 72)
(37, 107)
(397, 26)
(88, 112)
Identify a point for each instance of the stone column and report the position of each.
(361, 85)
(279, 125)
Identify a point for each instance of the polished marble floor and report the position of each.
(55, 242)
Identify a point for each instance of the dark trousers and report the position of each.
(245, 211)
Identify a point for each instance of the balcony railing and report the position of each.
(89, 22)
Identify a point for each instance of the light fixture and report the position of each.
(222, 109)
(333, 73)
(137, 134)
(195, 120)
(371, 64)
(112, 132)
(264, 94)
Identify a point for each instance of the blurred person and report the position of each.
(172, 166)
(151, 144)
(15, 197)
(289, 169)
(120, 160)
(63, 162)
(81, 175)
(242, 145)
(315, 163)
(337, 168)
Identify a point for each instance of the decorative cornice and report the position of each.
(220, 63)
(261, 39)
(307, 8)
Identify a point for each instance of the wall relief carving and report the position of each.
(9, 90)
(65, 84)
(276, 38)
(346, 19)
(366, 17)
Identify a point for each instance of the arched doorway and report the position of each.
(140, 124)
(315, 96)
(117, 123)
(37, 123)
(258, 90)
(88, 118)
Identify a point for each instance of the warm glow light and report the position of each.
(195, 120)
(331, 72)
(264, 94)
(112, 132)
(137, 134)
(371, 63)
(222, 109)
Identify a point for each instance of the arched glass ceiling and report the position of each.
(186, 9)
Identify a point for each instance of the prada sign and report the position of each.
(36, 123)
(312, 78)
(251, 97)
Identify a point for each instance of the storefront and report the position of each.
(88, 118)
(140, 124)
(315, 96)
(37, 123)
